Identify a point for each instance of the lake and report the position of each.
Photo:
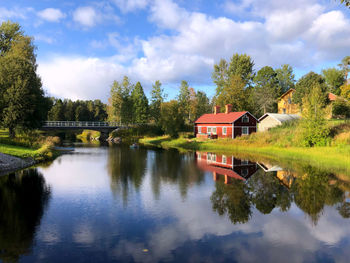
(117, 204)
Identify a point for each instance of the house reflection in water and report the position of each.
(227, 166)
(286, 177)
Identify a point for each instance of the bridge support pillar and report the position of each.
(104, 135)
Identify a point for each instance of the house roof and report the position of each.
(280, 117)
(290, 90)
(332, 97)
(220, 117)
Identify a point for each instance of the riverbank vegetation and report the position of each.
(284, 142)
(28, 144)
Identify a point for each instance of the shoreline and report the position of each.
(335, 158)
(10, 163)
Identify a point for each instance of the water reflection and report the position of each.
(126, 168)
(110, 204)
(24, 197)
(241, 185)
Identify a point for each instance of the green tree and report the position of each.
(140, 104)
(202, 105)
(313, 124)
(345, 65)
(157, 98)
(57, 111)
(184, 100)
(266, 90)
(304, 84)
(220, 75)
(242, 65)
(334, 78)
(172, 121)
(22, 101)
(120, 103)
(285, 77)
(233, 93)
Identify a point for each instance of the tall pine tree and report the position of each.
(140, 104)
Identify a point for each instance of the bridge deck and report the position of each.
(82, 124)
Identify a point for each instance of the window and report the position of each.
(209, 157)
(199, 130)
(245, 130)
(224, 131)
(214, 130)
(224, 159)
(245, 119)
(289, 101)
(199, 156)
(244, 162)
(209, 130)
(213, 157)
(284, 111)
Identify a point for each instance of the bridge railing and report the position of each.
(81, 124)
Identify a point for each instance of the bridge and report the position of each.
(102, 126)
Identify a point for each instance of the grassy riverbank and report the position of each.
(276, 144)
(32, 145)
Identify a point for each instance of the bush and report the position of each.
(341, 108)
(314, 133)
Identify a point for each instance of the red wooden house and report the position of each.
(225, 125)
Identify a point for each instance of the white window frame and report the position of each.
(199, 129)
(199, 156)
(214, 130)
(224, 130)
(243, 129)
(213, 157)
(209, 130)
(245, 117)
(224, 160)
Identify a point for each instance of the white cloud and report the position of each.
(131, 5)
(17, 13)
(51, 14)
(86, 16)
(89, 16)
(43, 38)
(78, 77)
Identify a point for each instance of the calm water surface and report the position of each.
(116, 204)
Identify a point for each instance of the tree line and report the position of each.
(128, 104)
(80, 110)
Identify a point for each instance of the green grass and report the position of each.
(18, 151)
(277, 144)
(31, 144)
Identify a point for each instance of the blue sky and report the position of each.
(82, 46)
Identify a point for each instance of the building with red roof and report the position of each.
(225, 125)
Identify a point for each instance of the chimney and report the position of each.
(216, 109)
(228, 108)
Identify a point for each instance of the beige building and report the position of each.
(286, 105)
(270, 120)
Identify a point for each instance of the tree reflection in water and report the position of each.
(24, 197)
(172, 167)
(311, 190)
(126, 168)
